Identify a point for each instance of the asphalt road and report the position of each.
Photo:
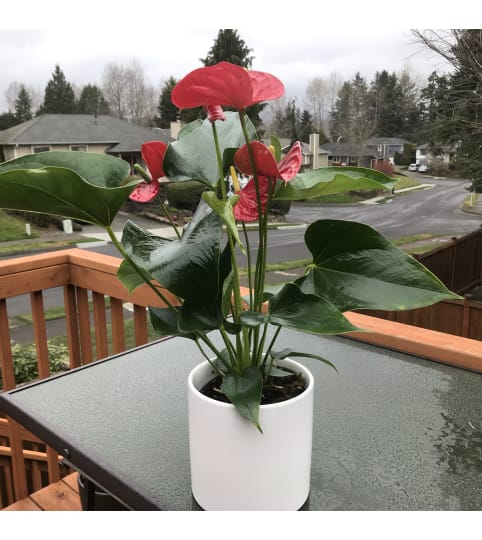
(434, 210)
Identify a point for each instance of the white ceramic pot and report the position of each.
(234, 466)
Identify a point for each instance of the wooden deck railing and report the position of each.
(26, 464)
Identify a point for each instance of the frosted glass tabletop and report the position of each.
(391, 431)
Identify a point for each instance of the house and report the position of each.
(439, 157)
(386, 147)
(78, 132)
(310, 159)
(350, 155)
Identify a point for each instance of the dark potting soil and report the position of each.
(275, 389)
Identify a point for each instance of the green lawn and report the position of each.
(12, 228)
(406, 182)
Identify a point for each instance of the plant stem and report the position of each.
(258, 278)
(268, 350)
(166, 213)
(250, 272)
(238, 306)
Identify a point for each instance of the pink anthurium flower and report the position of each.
(153, 154)
(265, 162)
(225, 84)
(246, 209)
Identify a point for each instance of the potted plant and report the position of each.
(251, 404)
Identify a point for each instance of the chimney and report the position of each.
(315, 149)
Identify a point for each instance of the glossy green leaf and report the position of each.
(355, 267)
(129, 276)
(295, 354)
(253, 319)
(276, 144)
(193, 156)
(98, 169)
(198, 317)
(166, 323)
(244, 392)
(293, 308)
(328, 180)
(189, 267)
(75, 185)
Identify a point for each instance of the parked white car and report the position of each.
(413, 167)
(422, 168)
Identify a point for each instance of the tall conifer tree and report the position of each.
(23, 105)
(59, 96)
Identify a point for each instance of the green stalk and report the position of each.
(268, 350)
(258, 295)
(166, 213)
(244, 351)
(250, 272)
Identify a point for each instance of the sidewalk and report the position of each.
(376, 200)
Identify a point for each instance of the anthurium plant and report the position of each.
(353, 266)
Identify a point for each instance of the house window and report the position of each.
(79, 148)
(37, 149)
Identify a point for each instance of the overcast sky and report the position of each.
(295, 54)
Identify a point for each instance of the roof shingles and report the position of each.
(120, 135)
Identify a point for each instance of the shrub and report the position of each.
(384, 167)
(44, 220)
(25, 361)
(280, 207)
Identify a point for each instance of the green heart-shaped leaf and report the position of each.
(165, 322)
(355, 267)
(189, 268)
(193, 156)
(75, 185)
(244, 392)
(293, 308)
(328, 180)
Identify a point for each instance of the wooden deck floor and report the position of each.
(62, 495)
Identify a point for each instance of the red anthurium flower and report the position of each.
(225, 84)
(246, 209)
(153, 155)
(214, 112)
(265, 162)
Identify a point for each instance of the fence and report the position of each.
(459, 266)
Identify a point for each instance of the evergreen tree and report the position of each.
(352, 117)
(306, 126)
(23, 105)
(8, 120)
(385, 102)
(168, 112)
(457, 98)
(59, 96)
(91, 101)
(229, 47)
